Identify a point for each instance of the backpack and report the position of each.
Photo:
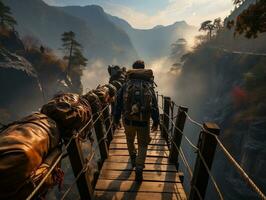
(138, 94)
(70, 111)
(25, 148)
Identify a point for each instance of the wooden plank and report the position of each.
(150, 147)
(160, 178)
(122, 159)
(123, 137)
(123, 141)
(147, 176)
(132, 186)
(148, 167)
(150, 153)
(103, 195)
(120, 134)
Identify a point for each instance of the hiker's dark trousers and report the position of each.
(143, 138)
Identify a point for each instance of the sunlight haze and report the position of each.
(149, 13)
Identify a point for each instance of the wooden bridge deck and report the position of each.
(161, 180)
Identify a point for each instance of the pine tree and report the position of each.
(6, 18)
(207, 26)
(73, 53)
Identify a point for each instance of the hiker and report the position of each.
(136, 101)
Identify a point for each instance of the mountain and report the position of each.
(223, 80)
(99, 37)
(20, 85)
(103, 29)
(156, 42)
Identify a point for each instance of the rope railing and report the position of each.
(181, 132)
(180, 151)
(87, 163)
(235, 164)
(84, 169)
(64, 152)
(50, 171)
(182, 155)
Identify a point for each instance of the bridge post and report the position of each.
(207, 146)
(166, 111)
(177, 137)
(107, 123)
(172, 116)
(100, 134)
(77, 162)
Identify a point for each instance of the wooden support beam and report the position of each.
(207, 146)
(166, 110)
(100, 134)
(177, 137)
(107, 123)
(77, 163)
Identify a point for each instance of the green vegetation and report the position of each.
(251, 21)
(211, 27)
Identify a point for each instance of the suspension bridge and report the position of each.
(162, 176)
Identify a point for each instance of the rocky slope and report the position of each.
(19, 85)
(229, 88)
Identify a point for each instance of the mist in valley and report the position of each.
(218, 75)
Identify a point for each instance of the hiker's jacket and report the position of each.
(119, 109)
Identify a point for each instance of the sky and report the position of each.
(146, 14)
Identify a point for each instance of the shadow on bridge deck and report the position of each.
(161, 180)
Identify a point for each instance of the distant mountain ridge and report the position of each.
(47, 23)
(156, 42)
(103, 36)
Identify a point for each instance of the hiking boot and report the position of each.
(139, 174)
(133, 160)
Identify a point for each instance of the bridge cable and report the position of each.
(200, 156)
(187, 166)
(77, 135)
(240, 170)
(86, 164)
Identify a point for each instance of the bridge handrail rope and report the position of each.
(84, 169)
(182, 155)
(76, 135)
(237, 166)
(86, 164)
(50, 170)
(181, 132)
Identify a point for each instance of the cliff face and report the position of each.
(229, 89)
(114, 42)
(19, 86)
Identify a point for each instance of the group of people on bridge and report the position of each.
(29, 146)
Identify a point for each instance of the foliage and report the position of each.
(238, 2)
(211, 27)
(31, 42)
(251, 21)
(48, 66)
(73, 54)
(6, 18)
(72, 50)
